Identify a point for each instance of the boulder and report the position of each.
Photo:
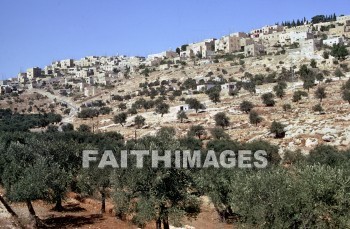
(311, 142)
(328, 138)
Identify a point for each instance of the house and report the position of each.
(202, 49)
(33, 72)
(164, 55)
(229, 87)
(343, 19)
(308, 47)
(333, 41)
(184, 107)
(243, 42)
(296, 37)
(68, 63)
(228, 44)
(255, 49)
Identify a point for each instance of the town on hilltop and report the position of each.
(283, 89)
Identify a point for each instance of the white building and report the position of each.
(296, 37)
(308, 47)
(343, 19)
(333, 41)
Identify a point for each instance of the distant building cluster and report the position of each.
(104, 70)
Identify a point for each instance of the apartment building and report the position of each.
(228, 44)
(33, 72)
(68, 63)
(255, 49)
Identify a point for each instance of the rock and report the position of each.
(328, 138)
(326, 131)
(311, 142)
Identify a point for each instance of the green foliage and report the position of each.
(194, 104)
(279, 89)
(162, 108)
(286, 107)
(338, 73)
(221, 120)
(120, 118)
(214, 94)
(298, 95)
(278, 129)
(268, 99)
(196, 130)
(317, 108)
(88, 113)
(23, 122)
(346, 95)
(313, 63)
(319, 77)
(181, 115)
(303, 198)
(339, 51)
(67, 127)
(122, 106)
(219, 133)
(246, 106)
(320, 93)
(139, 121)
(84, 128)
(254, 117)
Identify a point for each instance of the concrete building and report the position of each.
(333, 41)
(33, 72)
(204, 49)
(296, 37)
(68, 63)
(164, 55)
(228, 44)
(343, 19)
(308, 47)
(245, 42)
(255, 49)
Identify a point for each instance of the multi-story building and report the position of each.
(163, 55)
(308, 47)
(204, 49)
(228, 44)
(255, 49)
(68, 63)
(33, 72)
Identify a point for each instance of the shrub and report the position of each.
(246, 106)
(268, 99)
(254, 118)
(278, 129)
(317, 108)
(286, 107)
(139, 121)
(221, 119)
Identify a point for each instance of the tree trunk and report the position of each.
(32, 213)
(166, 222)
(7, 206)
(103, 201)
(158, 224)
(58, 207)
(30, 208)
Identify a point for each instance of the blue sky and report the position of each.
(37, 32)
